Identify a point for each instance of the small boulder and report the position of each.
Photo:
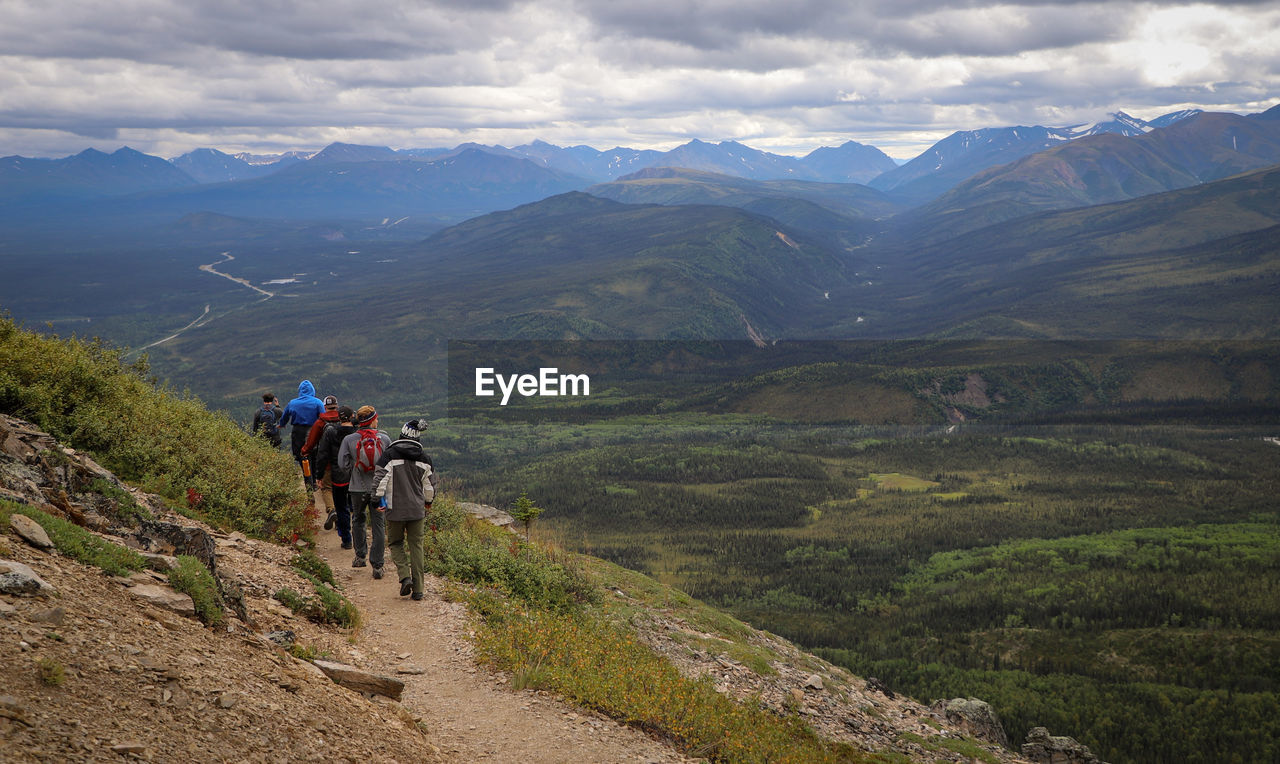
(283, 638)
(814, 682)
(30, 531)
(165, 597)
(1043, 748)
(16, 578)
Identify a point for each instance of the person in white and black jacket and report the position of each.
(405, 481)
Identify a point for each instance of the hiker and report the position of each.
(323, 486)
(329, 469)
(405, 483)
(265, 419)
(302, 412)
(358, 455)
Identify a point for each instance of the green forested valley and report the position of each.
(1115, 583)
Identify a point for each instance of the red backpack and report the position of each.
(368, 449)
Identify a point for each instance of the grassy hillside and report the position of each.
(169, 443)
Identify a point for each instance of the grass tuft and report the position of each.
(192, 578)
(50, 671)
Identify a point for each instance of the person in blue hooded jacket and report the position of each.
(302, 412)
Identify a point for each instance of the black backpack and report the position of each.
(266, 418)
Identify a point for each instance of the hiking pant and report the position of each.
(324, 496)
(398, 532)
(298, 439)
(365, 505)
(343, 509)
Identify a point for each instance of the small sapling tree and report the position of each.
(524, 510)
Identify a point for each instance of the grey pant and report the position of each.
(366, 505)
(411, 531)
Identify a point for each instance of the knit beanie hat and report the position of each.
(365, 415)
(412, 428)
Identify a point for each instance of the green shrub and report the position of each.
(325, 605)
(478, 552)
(291, 599)
(85, 395)
(77, 543)
(127, 508)
(310, 564)
(50, 671)
(191, 577)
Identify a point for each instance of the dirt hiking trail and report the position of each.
(469, 711)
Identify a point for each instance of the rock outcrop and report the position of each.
(1043, 748)
(974, 716)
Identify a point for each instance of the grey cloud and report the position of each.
(164, 30)
(886, 27)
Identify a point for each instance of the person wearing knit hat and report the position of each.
(359, 456)
(405, 481)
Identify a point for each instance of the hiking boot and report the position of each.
(406, 586)
(416, 596)
(377, 572)
(330, 520)
(359, 563)
(346, 545)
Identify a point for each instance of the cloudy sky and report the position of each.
(167, 76)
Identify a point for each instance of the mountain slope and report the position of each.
(213, 166)
(451, 188)
(964, 154)
(846, 210)
(643, 271)
(1198, 262)
(1106, 168)
(572, 266)
(88, 175)
(850, 162)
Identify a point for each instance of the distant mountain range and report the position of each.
(347, 181)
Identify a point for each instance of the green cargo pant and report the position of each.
(398, 532)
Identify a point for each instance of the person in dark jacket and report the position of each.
(302, 412)
(329, 469)
(405, 483)
(265, 419)
(362, 464)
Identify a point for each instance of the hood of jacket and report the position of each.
(404, 449)
(306, 389)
